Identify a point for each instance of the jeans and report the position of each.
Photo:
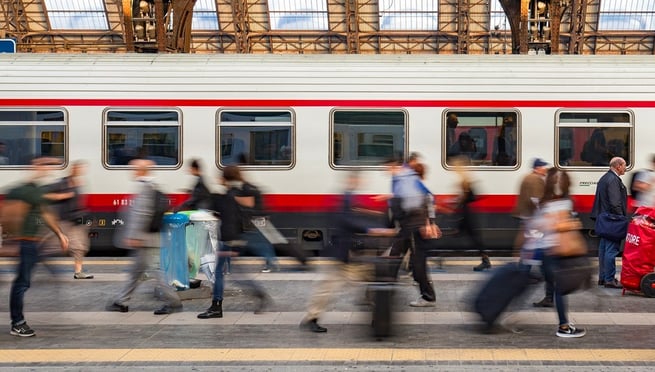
(259, 246)
(219, 284)
(607, 252)
(29, 256)
(219, 279)
(549, 265)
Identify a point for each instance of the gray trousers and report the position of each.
(146, 262)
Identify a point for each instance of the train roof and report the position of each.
(327, 76)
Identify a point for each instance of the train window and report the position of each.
(481, 138)
(591, 139)
(256, 138)
(26, 134)
(367, 137)
(130, 134)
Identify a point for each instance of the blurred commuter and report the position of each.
(32, 196)
(530, 193)
(611, 197)
(465, 146)
(200, 195)
(135, 235)
(68, 203)
(555, 208)
(348, 223)
(451, 125)
(412, 206)
(642, 187)
(504, 152)
(468, 220)
(234, 238)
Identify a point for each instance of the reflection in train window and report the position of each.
(481, 138)
(255, 138)
(591, 139)
(26, 134)
(153, 135)
(367, 137)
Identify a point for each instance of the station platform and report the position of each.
(75, 333)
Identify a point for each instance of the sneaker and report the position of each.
(22, 330)
(570, 332)
(421, 302)
(117, 307)
(82, 275)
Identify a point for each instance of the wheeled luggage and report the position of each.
(382, 290)
(506, 283)
(639, 253)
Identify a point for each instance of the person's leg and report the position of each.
(259, 246)
(28, 258)
(216, 308)
(137, 271)
(419, 261)
(611, 251)
(78, 245)
(602, 249)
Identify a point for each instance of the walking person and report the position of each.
(135, 235)
(234, 239)
(555, 209)
(200, 194)
(33, 197)
(348, 223)
(468, 219)
(611, 197)
(69, 206)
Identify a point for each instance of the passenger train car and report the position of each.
(297, 124)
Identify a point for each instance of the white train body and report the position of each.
(543, 94)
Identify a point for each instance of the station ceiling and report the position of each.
(331, 26)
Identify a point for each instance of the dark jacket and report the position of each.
(611, 196)
(228, 210)
(71, 209)
(200, 197)
(348, 224)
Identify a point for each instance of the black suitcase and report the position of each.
(506, 283)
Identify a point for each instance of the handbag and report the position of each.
(572, 274)
(570, 243)
(430, 231)
(611, 226)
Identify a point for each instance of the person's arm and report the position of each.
(614, 196)
(51, 221)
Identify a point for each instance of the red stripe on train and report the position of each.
(321, 102)
(330, 202)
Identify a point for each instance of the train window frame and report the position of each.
(291, 148)
(373, 165)
(44, 123)
(577, 166)
(477, 165)
(107, 123)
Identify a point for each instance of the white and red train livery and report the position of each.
(298, 123)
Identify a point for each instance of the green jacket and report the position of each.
(32, 194)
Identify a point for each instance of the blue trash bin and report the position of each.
(173, 253)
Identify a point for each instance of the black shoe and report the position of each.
(545, 302)
(264, 302)
(117, 307)
(168, 309)
(613, 284)
(312, 325)
(601, 282)
(211, 313)
(22, 330)
(485, 264)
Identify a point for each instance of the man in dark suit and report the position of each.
(611, 197)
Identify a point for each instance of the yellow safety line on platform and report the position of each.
(328, 355)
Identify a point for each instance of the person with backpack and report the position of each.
(200, 195)
(68, 204)
(235, 239)
(36, 207)
(137, 235)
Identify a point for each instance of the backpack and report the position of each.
(161, 206)
(633, 178)
(12, 215)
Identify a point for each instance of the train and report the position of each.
(297, 124)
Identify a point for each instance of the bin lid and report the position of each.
(202, 216)
(174, 218)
